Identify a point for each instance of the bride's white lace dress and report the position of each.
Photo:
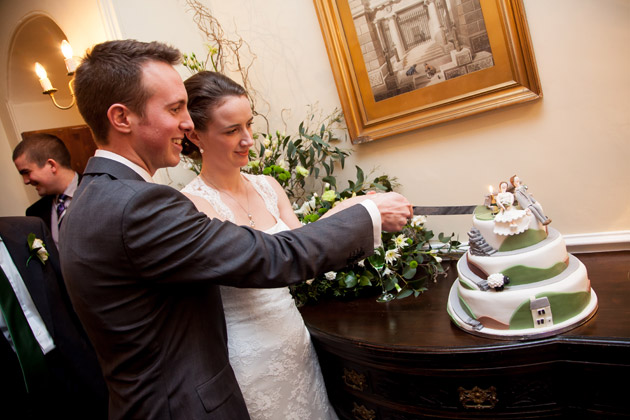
(270, 348)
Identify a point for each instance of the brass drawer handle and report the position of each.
(361, 413)
(353, 379)
(478, 398)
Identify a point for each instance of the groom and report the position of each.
(143, 266)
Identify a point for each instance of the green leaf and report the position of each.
(404, 293)
(360, 175)
(291, 149)
(331, 180)
(30, 239)
(364, 281)
(389, 283)
(409, 273)
(350, 280)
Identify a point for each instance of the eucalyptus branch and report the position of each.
(224, 54)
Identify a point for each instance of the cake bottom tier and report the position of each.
(525, 312)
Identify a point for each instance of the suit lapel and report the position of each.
(42, 209)
(33, 275)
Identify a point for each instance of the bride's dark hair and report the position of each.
(206, 90)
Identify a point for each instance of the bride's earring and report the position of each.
(200, 150)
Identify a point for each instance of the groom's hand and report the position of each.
(394, 208)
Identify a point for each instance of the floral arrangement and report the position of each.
(402, 266)
(37, 249)
(304, 164)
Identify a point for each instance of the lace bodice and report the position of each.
(269, 346)
(199, 188)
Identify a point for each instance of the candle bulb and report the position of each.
(43, 78)
(488, 198)
(66, 50)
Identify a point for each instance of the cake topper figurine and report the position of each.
(526, 201)
(509, 220)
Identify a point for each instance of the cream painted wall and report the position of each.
(571, 147)
(13, 193)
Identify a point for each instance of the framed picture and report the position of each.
(400, 65)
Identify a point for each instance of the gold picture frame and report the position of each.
(367, 49)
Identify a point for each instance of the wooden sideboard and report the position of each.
(405, 359)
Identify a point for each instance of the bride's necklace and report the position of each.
(246, 210)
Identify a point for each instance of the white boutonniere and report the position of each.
(37, 248)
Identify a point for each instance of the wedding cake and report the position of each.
(517, 280)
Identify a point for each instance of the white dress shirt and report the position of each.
(26, 302)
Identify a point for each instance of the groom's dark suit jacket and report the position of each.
(78, 390)
(143, 267)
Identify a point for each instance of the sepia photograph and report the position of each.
(400, 65)
(410, 44)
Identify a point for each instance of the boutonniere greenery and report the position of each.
(37, 248)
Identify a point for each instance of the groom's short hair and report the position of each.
(111, 72)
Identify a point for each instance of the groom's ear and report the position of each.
(119, 117)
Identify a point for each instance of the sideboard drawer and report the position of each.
(392, 392)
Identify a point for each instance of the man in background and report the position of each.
(48, 366)
(44, 162)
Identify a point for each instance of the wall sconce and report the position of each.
(47, 86)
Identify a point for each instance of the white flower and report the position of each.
(268, 153)
(37, 248)
(41, 250)
(361, 263)
(418, 221)
(307, 207)
(283, 164)
(301, 170)
(266, 142)
(330, 276)
(387, 271)
(391, 255)
(400, 241)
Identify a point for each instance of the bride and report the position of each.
(269, 347)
